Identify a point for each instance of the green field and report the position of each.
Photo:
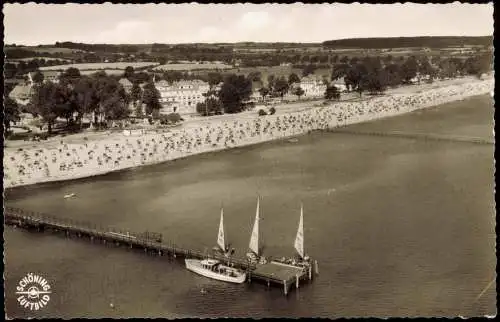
(45, 58)
(52, 50)
(191, 67)
(278, 71)
(107, 71)
(99, 66)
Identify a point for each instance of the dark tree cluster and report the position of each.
(234, 91)
(402, 42)
(211, 106)
(11, 113)
(76, 96)
(98, 47)
(375, 74)
(20, 68)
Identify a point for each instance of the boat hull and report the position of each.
(195, 266)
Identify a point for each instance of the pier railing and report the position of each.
(421, 136)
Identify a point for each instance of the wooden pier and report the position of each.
(420, 136)
(272, 272)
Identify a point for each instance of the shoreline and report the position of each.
(83, 160)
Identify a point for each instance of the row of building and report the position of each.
(181, 97)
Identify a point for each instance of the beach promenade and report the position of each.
(65, 161)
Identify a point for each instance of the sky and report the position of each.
(33, 24)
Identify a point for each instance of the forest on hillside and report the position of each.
(403, 42)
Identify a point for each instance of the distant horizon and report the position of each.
(229, 23)
(243, 41)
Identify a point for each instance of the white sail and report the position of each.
(220, 239)
(254, 239)
(299, 240)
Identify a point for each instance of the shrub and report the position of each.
(163, 120)
(262, 112)
(174, 118)
(272, 110)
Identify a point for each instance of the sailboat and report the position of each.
(299, 239)
(213, 268)
(298, 245)
(255, 252)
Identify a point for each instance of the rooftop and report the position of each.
(339, 81)
(177, 85)
(310, 78)
(47, 73)
(125, 82)
(20, 90)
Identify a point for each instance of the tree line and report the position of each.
(403, 42)
(22, 67)
(374, 74)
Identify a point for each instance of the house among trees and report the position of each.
(21, 93)
(340, 84)
(182, 96)
(256, 86)
(48, 76)
(312, 86)
(127, 85)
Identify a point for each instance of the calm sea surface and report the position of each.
(400, 227)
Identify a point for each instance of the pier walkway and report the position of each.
(421, 136)
(153, 243)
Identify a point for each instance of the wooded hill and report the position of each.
(404, 42)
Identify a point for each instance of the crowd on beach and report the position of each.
(69, 161)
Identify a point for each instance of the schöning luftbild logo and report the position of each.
(33, 291)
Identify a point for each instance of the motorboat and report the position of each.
(215, 269)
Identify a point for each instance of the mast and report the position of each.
(254, 239)
(220, 239)
(299, 239)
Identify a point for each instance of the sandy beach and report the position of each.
(104, 153)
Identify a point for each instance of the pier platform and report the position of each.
(281, 273)
(278, 271)
(273, 272)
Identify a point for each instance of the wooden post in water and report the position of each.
(268, 283)
(284, 287)
(310, 272)
(297, 281)
(316, 267)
